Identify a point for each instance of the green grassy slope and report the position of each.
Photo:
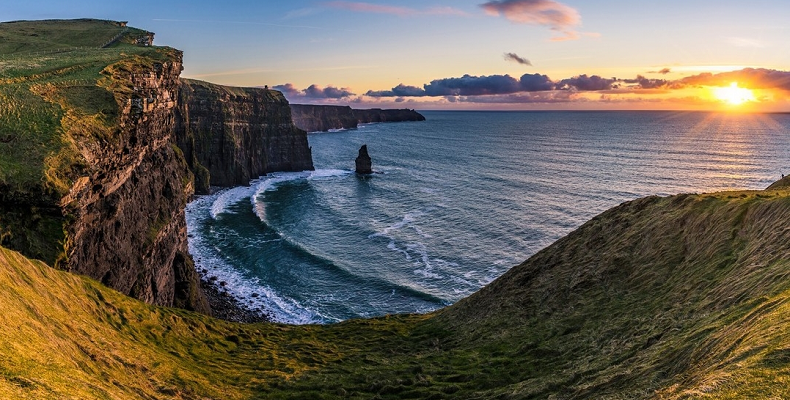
(679, 297)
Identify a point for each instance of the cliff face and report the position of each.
(319, 118)
(128, 228)
(230, 136)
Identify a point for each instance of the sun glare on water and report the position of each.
(733, 95)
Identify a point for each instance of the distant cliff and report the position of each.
(231, 135)
(319, 118)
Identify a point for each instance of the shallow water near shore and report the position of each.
(457, 200)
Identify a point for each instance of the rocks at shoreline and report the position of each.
(226, 307)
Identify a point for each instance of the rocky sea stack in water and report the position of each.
(363, 161)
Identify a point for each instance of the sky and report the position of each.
(473, 54)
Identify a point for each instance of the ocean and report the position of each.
(457, 200)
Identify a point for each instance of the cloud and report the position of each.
(469, 85)
(550, 97)
(313, 92)
(400, 90)
(584, 83)
(662, 71)
(399, 11)
(515, 57)
(557, 16)
(536, 83)
(753, 78)
(645, 83)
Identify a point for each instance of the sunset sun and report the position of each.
(733, 95)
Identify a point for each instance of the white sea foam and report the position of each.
(407, 221)
(329, 173)
(224, 198)
(271, 181)
(247, 290)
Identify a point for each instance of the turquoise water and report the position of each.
(456, 201)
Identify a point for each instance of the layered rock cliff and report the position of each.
(320, 118)
(91, 176)
(128, 228)
(230, 136)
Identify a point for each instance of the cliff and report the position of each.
(128, 228)
(319, 118)
(230, 136)
(93, 182)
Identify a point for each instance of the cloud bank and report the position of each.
(753, 78)
(584, 90)
(313, 92)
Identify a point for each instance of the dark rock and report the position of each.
(224, 306)
(317, 118)
(363, 161)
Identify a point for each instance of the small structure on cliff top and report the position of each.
(363, 161)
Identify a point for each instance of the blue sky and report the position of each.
(356, 48)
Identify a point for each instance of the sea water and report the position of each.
(457, 200)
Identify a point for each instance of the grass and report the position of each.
(672, 298)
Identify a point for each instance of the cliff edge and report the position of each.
(321, 118)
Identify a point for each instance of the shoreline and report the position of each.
(226, 307)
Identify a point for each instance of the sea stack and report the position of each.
(364, 163)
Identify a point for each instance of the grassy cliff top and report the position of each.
(220, 91)
(26, 37)
(679, 297)
(50, 75)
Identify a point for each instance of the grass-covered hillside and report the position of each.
(55, 94)
(678, 297)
